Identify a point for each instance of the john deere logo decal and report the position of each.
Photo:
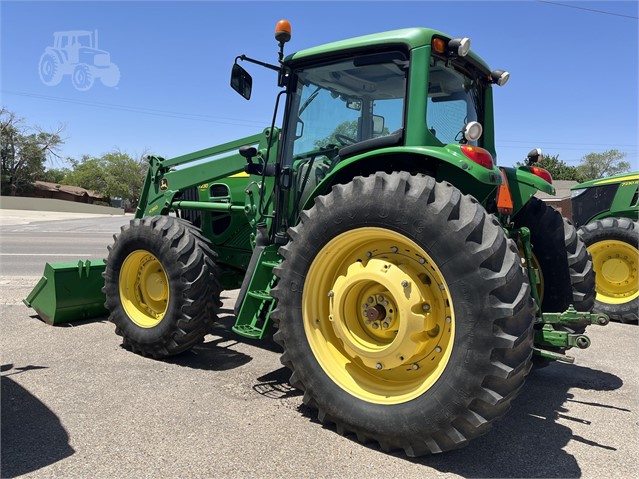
(164, 184)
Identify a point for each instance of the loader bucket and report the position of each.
(69, 292)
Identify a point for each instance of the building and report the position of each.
(44, 189)
(561, 201)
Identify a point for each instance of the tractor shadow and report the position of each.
(222, 329)
(218, 354)
(31, 435)
(529, 441)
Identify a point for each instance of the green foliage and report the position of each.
(112, 175)
(591, 166)
(53, 175)
(559, 169)
(24, 151)
(599, 165)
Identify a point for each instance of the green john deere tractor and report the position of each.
(408, 280)
(606, 211)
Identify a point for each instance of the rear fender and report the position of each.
(523, 185)
(446, 163)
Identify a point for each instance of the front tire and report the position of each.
(442, 283)
(160, 285)
(614, 246)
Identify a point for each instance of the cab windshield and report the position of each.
(455, 98)
(346, 102)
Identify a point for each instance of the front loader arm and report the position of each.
(166, 178)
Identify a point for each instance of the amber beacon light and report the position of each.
(283, 31)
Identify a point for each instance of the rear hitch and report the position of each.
(558, 331)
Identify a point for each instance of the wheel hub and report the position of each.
(380, 347)
(378, 315)
(615, 264)
(144, 289)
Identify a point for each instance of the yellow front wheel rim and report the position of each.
(615, 265)
(378, 315)
(144, 288)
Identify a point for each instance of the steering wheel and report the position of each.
(345, 140)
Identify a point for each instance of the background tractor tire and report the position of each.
(49, 69)
(566, 268)
(160, 285)
(452, 305)
(613, 244)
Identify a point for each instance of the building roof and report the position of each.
(73, 190)
(561, 186)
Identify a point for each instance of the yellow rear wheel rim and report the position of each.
(615, 264)
(144, 288)
(378, 315)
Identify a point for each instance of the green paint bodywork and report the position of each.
(69, 292)
(524, 184)
(625, 203)
(210, 188)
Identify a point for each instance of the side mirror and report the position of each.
(378, 125)
(534, 156)
(241, 81)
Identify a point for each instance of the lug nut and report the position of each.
(370, 300)
(425, 307)
(404, 283)
(380, 299)
(415, 366)
(331, 294)
(394, 249)
(379, 366)
(438, 349)
(448, 319)
(375, 325)
(422, 260)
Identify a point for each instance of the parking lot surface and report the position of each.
(75, 404)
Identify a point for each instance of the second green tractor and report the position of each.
(606, 212)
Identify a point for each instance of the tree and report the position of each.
(559, 169)
(599, 165)
(112, 175)
(24, 151)
(53, 175)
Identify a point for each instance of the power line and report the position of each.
(588, 9)
(541, 142)
(142, 110)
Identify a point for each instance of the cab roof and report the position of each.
(408, 37)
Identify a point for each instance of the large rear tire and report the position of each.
(566, 267)
(614, 246)
(404, 313)
(160, 285)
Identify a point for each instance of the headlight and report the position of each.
(575, 193)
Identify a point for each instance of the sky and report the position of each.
(573, 87)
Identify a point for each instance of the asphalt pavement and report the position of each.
(75, 404)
